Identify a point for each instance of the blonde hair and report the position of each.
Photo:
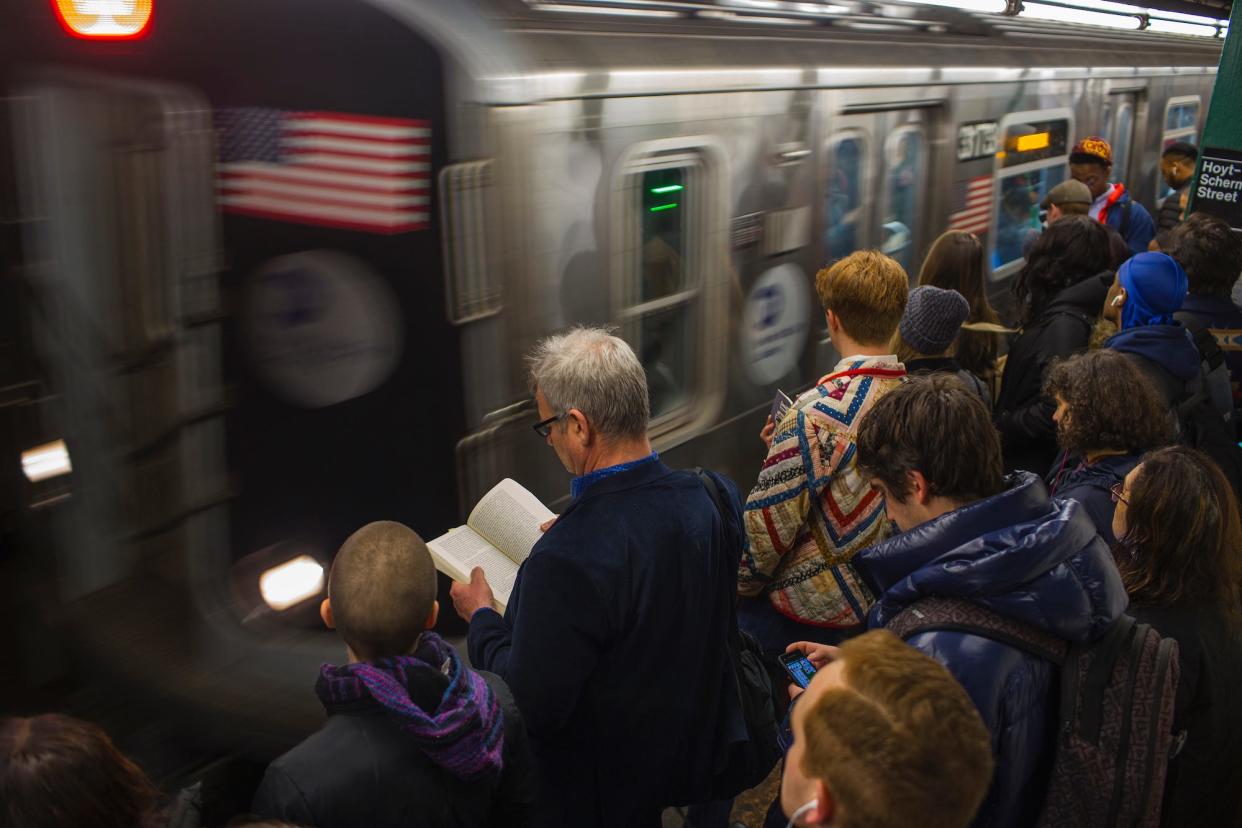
(867, 291)
(901, 743)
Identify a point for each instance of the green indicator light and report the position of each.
(664, 207)
(671, 188)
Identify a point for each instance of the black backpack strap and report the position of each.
(955, 614)
(713, 491)
(1209, 349)
(1125, 218)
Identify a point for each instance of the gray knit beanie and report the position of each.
(932, 319)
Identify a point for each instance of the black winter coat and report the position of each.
(1205, 778)
(614, 644)
(361, 769)
(1023, 413)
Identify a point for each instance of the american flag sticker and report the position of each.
(977, 213)
(353, 172)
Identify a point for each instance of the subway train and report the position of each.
(272, 266)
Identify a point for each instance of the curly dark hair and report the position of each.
(1071, 250)
(1112, 405)
(1183, 540)
(1208, 250)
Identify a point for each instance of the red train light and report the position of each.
(105, 19)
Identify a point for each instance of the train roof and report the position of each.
(523, 50)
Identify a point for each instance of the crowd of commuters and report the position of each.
(949, 518)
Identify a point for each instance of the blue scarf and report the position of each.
(1155, 287)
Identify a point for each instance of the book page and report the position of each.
(462, 549)
(509, 516)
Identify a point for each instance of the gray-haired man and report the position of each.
(614, 639)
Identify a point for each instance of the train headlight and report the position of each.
(291, 582)
(46, 461)
(104, 19)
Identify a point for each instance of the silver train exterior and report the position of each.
(679, 170)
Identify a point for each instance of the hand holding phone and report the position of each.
(799, 667)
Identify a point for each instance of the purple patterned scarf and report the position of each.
(465, 733)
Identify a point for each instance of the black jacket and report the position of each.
(1023, 414)
(614, 644)
(361, 769)
(1205, 779)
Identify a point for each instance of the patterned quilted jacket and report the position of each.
(1026, 558)
(811, 510)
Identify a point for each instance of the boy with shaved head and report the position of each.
(413, 736)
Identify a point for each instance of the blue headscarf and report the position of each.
(1155, 287)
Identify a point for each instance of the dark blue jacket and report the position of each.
(1023, 557)
(613, 643)
(1139, 229)
(1165, 353)
(1090, 484)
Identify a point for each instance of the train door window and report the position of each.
(667, 204)
(1033, 159)
(1181, 123)
(1124, 137)
(904, 174)
(844, 211)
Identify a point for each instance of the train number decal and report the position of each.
(977, 140)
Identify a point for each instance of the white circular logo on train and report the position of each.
(775, 323)
(322, 327)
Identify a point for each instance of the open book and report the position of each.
(502, 529)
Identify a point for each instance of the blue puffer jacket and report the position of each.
(1027, 558)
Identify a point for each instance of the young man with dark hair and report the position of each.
(413, 735)
(884, 737)
(1091, 162)
(1211, 254)
(1177, 165)
(930, 450)
(810, 511)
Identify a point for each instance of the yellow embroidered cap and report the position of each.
(1093, 148)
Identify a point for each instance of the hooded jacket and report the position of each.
(1165, 353)
(1023, 414)
(1091, 484)
(365, 766)
(1024, 557)
(1138, 226)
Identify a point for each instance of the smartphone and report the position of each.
(799, 668)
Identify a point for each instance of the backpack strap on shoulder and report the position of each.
(958, 615)
(1125, 218)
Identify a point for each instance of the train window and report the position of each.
(904, 151)
(1181, 123)
(667, 277)
(1182, 115)
(664, 202)
(843, 207)
(1121, 146)
(1029, 141)
(1033, 160)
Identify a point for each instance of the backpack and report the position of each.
(743, 764)
(1200, 423)
(1115, 716)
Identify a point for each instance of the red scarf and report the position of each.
(1113, 198)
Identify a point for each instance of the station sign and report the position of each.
(1218, 190)
(977, 140)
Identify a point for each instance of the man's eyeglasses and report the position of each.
(544, 427)
(1118, 492)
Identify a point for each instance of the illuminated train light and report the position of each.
(291, 583)
(105, 19)
(46, 461)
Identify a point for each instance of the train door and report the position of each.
(1120, 113)
(122, 260)
(876, 194)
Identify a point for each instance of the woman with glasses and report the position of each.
(1179, 550)
(1107, 414)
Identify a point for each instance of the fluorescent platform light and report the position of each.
(1039, 11)
(613, 10)
(292, 582)
(46, 461)
(1175, 27)
(985, 6)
